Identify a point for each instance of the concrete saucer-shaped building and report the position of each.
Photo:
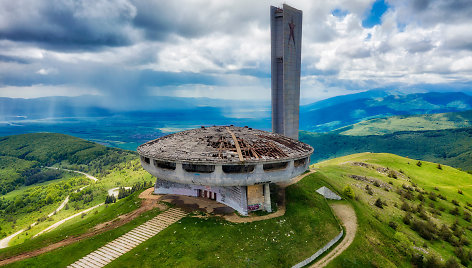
(232, 165)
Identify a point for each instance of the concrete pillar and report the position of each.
(267, 205)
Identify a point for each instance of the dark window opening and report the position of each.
(275, 166)
(198, 168)
(147, 160)
(299, 162)
(164, 164)
(238, 168)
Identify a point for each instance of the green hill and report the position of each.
(21, 157)
(450, 146)
(388, 125)
(199, 240)
(408, 211)
(29, 191)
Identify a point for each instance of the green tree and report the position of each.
(49, 199)
(349, 192)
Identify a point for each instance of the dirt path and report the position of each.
(5, 241)
(347, 216)
(146, 205)
(55, 225)
(75, 171)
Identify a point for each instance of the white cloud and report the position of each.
(230, 42)
(36, 91)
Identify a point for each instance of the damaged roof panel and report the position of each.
(225, 144)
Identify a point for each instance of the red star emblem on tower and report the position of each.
(291, 25)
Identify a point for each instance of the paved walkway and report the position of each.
(347, 216)
(128, 241)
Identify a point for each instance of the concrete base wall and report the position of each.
(220, 178)
(232, 196)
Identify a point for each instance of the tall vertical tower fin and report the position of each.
(286, 37)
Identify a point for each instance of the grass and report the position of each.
(69, 254)
(125, 174)
(213, 242)
(376, 243)
(449, 147)
(388, 125)
(75, 227)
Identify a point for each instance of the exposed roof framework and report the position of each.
(225, 144)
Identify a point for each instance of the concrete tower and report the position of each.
(286, 46)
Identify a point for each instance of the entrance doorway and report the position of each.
(206, 194)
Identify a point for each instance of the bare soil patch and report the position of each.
(347, 216)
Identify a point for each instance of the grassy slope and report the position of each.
(388, 125)
(212, 242)
(20, 155)
(450, 147)
(43, 147)
(125, 174)
(375, 237)
(113, 167)
(75, 227)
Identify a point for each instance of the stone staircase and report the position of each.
(130, 240)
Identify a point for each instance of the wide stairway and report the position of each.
(130, 240)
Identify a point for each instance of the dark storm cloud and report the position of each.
(71, 24)
(106, 77)
(191, 19)
(420, 5)
(432, 12)
(4, 58)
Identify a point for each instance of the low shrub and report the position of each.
(407, 218)
(452, 263)
(463, 254)
(379, 203)
(406, 207)
(349, 192)
(425, 229)
(433, 261)
(420, 197)
(467, 216)
(445, 233)
(454, 211)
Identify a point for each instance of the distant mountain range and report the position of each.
(344, 124)
(342, 111)
(392, 124)
(321, 116)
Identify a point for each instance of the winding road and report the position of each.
(75, 171)
(347, 216)
(5, 241)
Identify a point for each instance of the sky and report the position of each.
(128, 50)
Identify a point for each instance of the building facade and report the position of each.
(232, 165)
(286, 45)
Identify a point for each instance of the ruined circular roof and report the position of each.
(218, 144)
